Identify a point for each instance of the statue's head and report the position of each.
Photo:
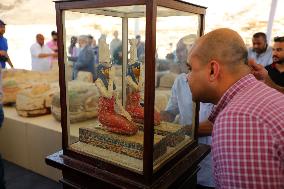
(134, 69)
(133, 42)
(103, 70)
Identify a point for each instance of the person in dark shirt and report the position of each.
(273, 74)
(85, 59)
(276, 69)
(140, 48)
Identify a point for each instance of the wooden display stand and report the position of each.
(79, 174)
(86, 163)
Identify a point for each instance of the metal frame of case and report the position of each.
(169, 173)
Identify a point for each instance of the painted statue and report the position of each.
(113, 121)
(135, 81)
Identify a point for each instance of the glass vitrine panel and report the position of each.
(105, 98)
(105, 75)
(175, 35)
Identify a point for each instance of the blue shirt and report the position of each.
(3, 47)
(85, 62)
(264, 58)
(180, 103)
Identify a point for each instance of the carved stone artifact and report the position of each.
(83, 102)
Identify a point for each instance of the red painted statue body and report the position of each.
(136, 111)
(112, 121)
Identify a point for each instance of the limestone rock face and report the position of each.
(83, 102)
(16, 80)
(36, 100)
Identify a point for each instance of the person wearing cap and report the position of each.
(41, 54)
(4, 57)
(182, 48)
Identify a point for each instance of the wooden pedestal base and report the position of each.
(79, 174)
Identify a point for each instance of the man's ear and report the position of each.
(214, 68)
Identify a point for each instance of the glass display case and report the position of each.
(118, 63)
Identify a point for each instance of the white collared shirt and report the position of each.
(264, 58)
(40, 64)
(180, 103)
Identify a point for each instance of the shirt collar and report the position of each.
(229, 95)
(184, 77)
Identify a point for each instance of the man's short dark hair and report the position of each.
(279, 39)
(53, 33)
(260, 34)
(2, 23)
(90, 37)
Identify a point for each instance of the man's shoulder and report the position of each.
(3, 40)
(269, 67)
(50, 42)
(115, 41)
(259, 97)
(269, 49)
(35, 45)
(250, 50)
(181, 78)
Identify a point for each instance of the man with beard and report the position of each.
(260, 51)
(273, 74)
(276, 69)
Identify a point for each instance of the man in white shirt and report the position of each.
(41, 55)
(116, 49)
(180, 103)
(260, 51)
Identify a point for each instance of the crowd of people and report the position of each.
(240, 90)
(88, 50)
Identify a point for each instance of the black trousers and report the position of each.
(2, 182)
(203, 187)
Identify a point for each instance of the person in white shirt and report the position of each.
(41, 55)
(260, 51)
(180, 103)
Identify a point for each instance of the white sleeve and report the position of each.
(172, 106)
(35, 51)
